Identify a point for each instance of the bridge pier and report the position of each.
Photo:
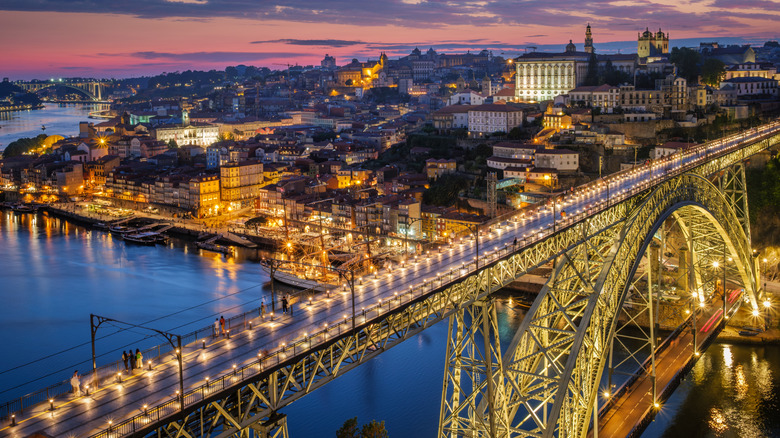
(472, 393)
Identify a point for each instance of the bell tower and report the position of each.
(588, 40)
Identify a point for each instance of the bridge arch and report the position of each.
(553, 366)
(83, 91)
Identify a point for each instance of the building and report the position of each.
(651, 44)
(493, 117)
(562, 160)
(751, 86)
(588, 40)
(451, 117)
(605, 97)
(670, 148)
(729, 55)
(200, 134)
(435, 168)
(240, 183)
(204, 195)
(95, 172)
(542, 76)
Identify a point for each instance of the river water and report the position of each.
(53, 274)
(59, 119)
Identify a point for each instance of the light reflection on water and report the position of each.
(732, 391)
(59, 119)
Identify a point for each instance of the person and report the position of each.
(284, 304)
(262, 310)
(222, 325)
(76, 383)
(290, 306)
(216, 327)
(515, 243)
(125, 359)
(139, 359)
(132, 359)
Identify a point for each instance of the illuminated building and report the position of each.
(651, 44)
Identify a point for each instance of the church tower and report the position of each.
(588, 40)
(487, 86)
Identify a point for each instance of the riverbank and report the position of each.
(189, 228)
(766, 320)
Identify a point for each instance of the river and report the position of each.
(58, 118)
(54, 274)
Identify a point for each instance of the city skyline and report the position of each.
(123, 39)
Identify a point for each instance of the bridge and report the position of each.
(91, 88)
(606, 250)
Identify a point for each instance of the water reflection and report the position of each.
(732, 391)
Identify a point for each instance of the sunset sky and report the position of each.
(121, 38)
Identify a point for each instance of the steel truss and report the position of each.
(555, 361)
(551, 368)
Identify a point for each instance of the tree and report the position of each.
(687, 62)
(23, 145)
(172, 144)
(592, 77)
(444, 191)
(349, 429)
(374, 430)
(712, 71)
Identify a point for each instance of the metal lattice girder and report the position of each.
(733, 184)
(555, 362)
(253, 399)
(473, 375)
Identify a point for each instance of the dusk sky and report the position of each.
(121, 38)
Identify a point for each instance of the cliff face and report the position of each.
(764, 204)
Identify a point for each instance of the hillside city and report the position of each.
(420, 148)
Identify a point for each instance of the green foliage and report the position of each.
(647, 81)
(592, 76)
(172, 144)
(349, 429)
(764, 203)
(612, 76)
(374, 430)
(712, 71)
(444, 191)
(322, 136)
(226, 136)
(19, 147)
(370, 430)
(687, 61)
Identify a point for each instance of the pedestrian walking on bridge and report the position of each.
(222, 325)
(139, 359)
(216, 327)
(132, 359)
(76, 383)
(262, 310)
(125, 359)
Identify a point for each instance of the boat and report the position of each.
(100, 226)
(24, 208)
(121, 230)
(148, 238)
(209, 246)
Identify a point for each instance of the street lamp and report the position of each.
(767, 304)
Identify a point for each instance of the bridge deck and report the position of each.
(378, 294)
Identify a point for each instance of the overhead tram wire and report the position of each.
(124, 329)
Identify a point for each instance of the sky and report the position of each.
(124, 38)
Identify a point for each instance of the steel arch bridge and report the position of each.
(92, 90)
(545, 381)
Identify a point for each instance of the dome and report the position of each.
(571, 47)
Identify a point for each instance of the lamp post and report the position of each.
(766, 300)
(168, 337)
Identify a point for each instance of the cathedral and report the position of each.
(652, 44)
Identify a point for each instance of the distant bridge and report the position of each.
(91, 88)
